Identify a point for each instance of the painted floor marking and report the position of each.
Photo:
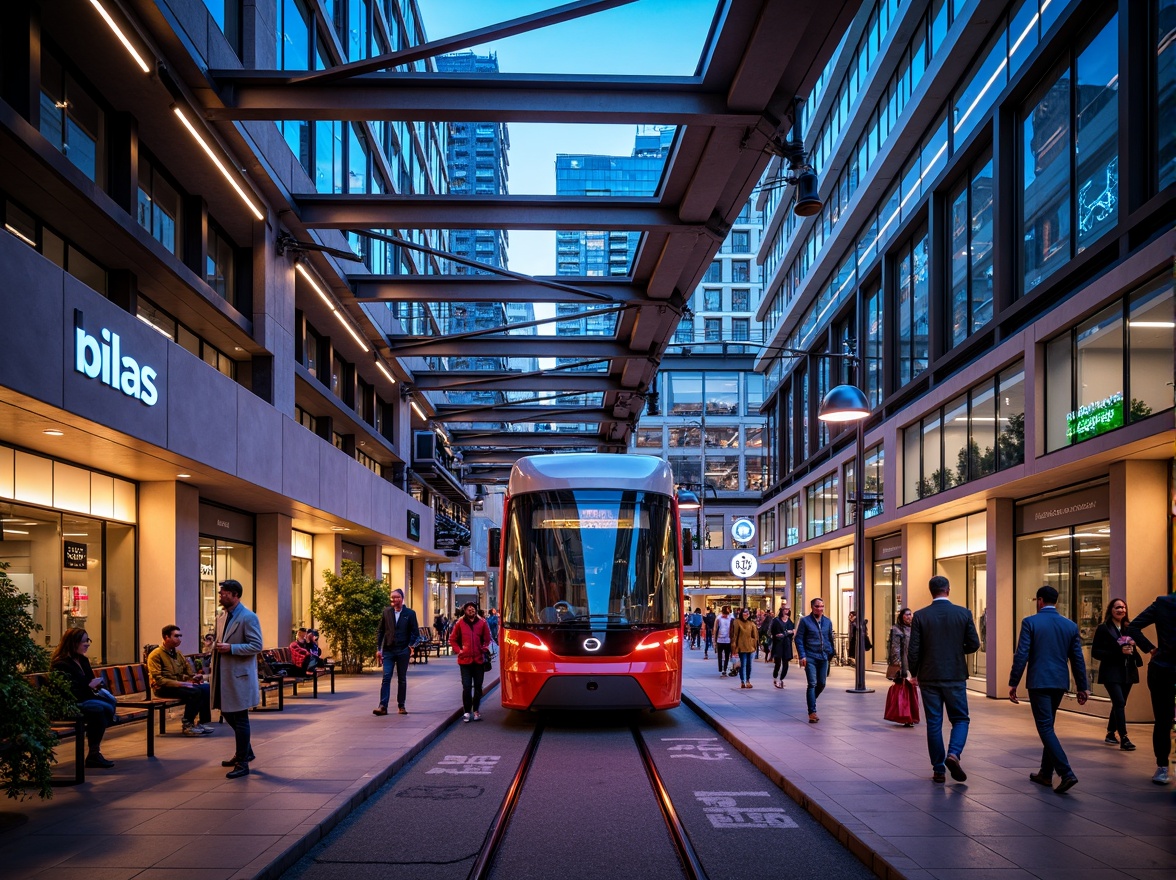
(700, 748)
(466, 765)
(724, 812)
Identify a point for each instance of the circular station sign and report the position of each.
(744, 564)
(743, 530)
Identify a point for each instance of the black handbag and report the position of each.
(487, 661)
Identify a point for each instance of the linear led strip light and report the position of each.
(310, 279)
(122, 38)
(217, 162)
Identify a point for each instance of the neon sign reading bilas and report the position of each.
(100, 357)
(1095, 418)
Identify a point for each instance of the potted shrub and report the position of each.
(26, 738)
(347, 609)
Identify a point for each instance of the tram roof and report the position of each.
(591, 470)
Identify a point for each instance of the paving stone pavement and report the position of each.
(867, 780)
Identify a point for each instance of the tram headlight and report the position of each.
(657, 641)
(527, 642)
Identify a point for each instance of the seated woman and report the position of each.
(95, 702)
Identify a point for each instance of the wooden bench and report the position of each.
(429, 643)
(285, 657)
(128, 684)
(267, 681)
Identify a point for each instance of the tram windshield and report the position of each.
(591, 558)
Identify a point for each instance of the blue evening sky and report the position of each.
(649, 37)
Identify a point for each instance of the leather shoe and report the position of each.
(234, 761)
(95, 759)
(938, 777)
(238, 771)
(954, 768)
(1042, 779)
(380, 710)
(813, 719)
(1066, 784)
(401, 711)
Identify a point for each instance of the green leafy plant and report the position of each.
(27, 740)
(347, 609)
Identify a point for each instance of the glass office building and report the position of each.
(996, 244)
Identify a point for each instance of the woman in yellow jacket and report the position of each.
(744, 636)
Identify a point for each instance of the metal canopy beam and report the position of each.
(515, 26)
(382, 211)
(536, 440)
(422, 97)
(486, 288)
(512, 346)
(484, 380)
(572, 415)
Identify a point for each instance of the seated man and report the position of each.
(313, 648)
(560, 613)
(300, 650)
(172, 677)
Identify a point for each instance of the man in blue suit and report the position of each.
(942, 635)
(1050, 646)
(814, 647)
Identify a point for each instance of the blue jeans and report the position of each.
(745, 666)
(815, 670)
(952, 696)
(1044, 702)
(99, 715)
(397, 661)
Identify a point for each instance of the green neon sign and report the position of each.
(1095, 418)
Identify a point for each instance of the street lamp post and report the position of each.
(847, 403)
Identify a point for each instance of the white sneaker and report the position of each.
(207, 728)
(1161, 776)
(192, 730)
(466, 717)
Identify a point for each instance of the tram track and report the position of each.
(576, 796)
(687, 856)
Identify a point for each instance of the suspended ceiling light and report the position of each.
(254, 209)
(335, 310)
(122, 38)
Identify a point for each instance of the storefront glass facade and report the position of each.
(68, 553)
(301, 581)
(1072, 557)
(960, 556)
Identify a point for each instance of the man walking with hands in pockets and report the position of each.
(942, 635)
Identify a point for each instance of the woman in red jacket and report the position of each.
(470, 640)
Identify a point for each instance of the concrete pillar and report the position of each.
(273, 578)
(414, 569)
(814, 583)
(273, 321)
(327, 552)
(1000, 555)
(169, 560)
(1139, 546)
(918, 563)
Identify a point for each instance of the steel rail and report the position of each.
(686, 852)
(497, 830)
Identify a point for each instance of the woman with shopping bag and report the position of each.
(902, 704)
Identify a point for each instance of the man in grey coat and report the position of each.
(942, 635)
(234, 686)
(1048, 642)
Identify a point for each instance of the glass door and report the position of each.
(978, 604)
(887, 603)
